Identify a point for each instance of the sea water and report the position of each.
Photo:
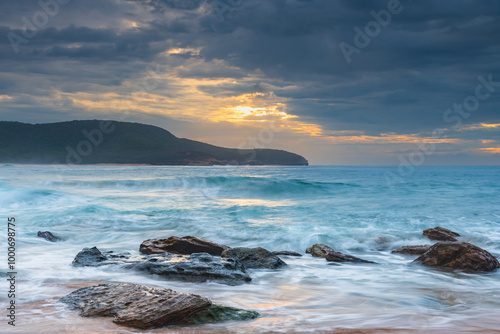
(352, 209)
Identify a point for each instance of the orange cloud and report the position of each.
(489, 150)
(485, 125)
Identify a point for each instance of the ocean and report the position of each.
(352, 209)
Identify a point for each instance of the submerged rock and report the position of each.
(185, 245)
(383, 242)
(286, 253)
(198, 267)
(459, 255)
(254, 257)
(144, 307)
(441, 234)
(322, 250)
(413, 250)
(48, 236)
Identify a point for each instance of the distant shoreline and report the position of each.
(117, 164)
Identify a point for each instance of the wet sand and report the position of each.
(48, 317)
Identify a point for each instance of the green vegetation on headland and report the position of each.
(112, 142)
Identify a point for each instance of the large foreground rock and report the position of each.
(198, 267)
(459, 255)
(144, 307)
(185, 245)
(440, 234)
(254, 257)
(413, 250)
(322, 250)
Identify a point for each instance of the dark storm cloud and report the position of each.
(427, 58)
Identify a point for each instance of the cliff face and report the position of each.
(91, 142)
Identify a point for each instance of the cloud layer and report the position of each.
(225, 71)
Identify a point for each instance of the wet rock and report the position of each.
(185, 245)
(459, 255)
(286, 253)
(218, 313)
(339, 257)
(144, 307)
(48, 236)
(441, 234)
(319, 250)
(412, 250)
(89, 257)
(322, 250)
(198, 267)
(254, 257)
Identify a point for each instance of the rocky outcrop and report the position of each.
(144, 307)
(440, 234)
(459, 255)
(412, 250)
(286, 253)
(197, 267)
(185, 245)
(254, 257)
(322, 250)
(48, 236)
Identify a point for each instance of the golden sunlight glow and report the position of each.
(390, 138)
(485, 125)
(177, 51)
(489, 150)
(201, 97)
(258, 114)
(481, 126)
(5, 97)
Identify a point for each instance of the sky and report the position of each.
(346, 82)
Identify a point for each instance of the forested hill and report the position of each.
(94, 141)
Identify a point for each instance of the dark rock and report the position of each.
(198, 267)
(89, 257)
(412, 250)
(218, 313)
(322, 250)
(48, 236)
(459, 255)
(286, 253)
(135, 305)
(441, 234)
(339, 257)
(319, 250)
(254, 257)
(185, 245)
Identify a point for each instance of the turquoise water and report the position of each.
(352, 209)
